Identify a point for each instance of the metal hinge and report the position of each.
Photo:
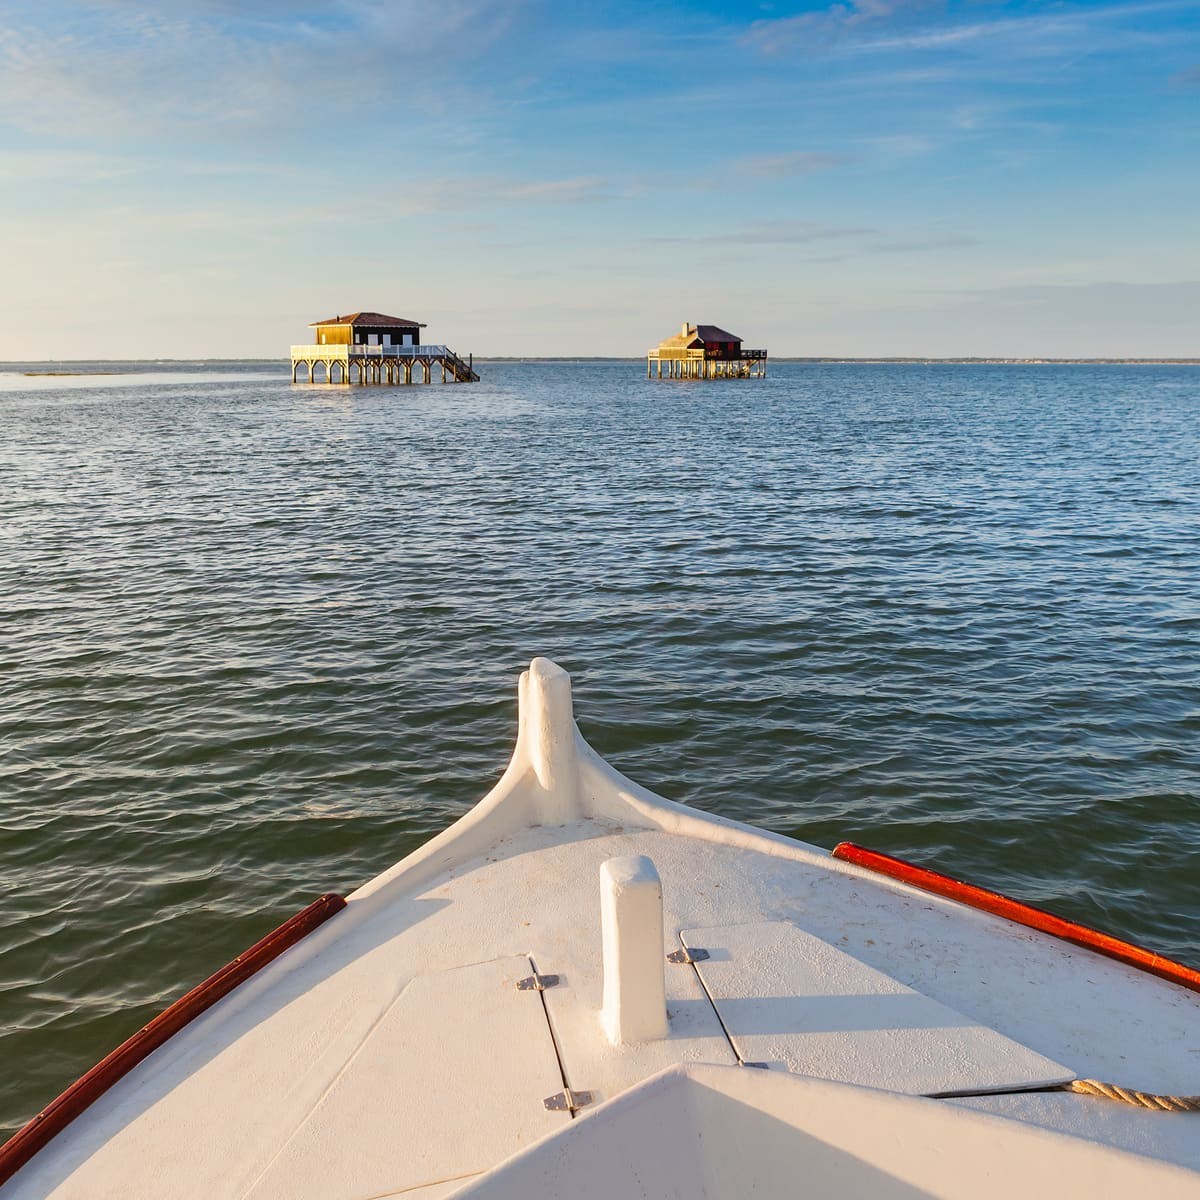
(537, 983)
(694, 955)
(567, 1101)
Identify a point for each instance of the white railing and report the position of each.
(398, 351)
(359, 350)
(677, 355)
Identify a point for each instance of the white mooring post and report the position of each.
(548, 730)
(631, 918)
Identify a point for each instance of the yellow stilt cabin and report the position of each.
(370, 347)
(705, 352)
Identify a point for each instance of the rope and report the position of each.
(1094, 1087)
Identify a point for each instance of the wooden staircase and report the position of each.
(464, 372)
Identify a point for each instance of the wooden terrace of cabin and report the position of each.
(370, 347)
(706, 352)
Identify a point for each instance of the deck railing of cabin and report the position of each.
(693, 355)
(360, 350)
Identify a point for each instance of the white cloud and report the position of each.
(937, 241)
(114, 72)
(464, 193)
(788, 163)
(806, 30)
(907, 25)
(773, 233)
(79, 166)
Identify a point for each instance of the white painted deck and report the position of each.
(391, 1052)
(789, 1000)
(728, 1132)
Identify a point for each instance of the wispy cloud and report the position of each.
(915, 25)
(1189, 78)
(942, 241)
(900, 145)
(79, 166)
(854, 242)
(466, 192)
(772, 233)
(249, 216)
(778, 35)
(788, 163)
(586, 189)
(113, 71)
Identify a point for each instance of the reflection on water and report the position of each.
(260, 641)
(37, 383)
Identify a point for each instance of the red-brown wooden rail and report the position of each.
(59, 1113)
(1022, 914)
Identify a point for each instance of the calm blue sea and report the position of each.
(259, 641)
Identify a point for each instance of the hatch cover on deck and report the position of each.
(789, 999)
(449, 1081)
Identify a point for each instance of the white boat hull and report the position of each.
(393, 1050)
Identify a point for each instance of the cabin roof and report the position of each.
(714, 333)
(373, 319)
(698, 335)
(681, 342)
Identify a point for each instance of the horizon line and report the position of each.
(1014, 360)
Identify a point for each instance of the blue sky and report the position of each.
(879, 177)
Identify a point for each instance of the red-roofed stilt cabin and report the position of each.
(705, 352)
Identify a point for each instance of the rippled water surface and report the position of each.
(259, 641)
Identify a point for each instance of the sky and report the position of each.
(202, 178)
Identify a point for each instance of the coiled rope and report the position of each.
(1095, 1087)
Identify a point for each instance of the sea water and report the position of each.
(260, 641)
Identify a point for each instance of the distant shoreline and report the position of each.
(1016, 362)
(483, 358)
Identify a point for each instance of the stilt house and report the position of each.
(370, 347)
(706, 352)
